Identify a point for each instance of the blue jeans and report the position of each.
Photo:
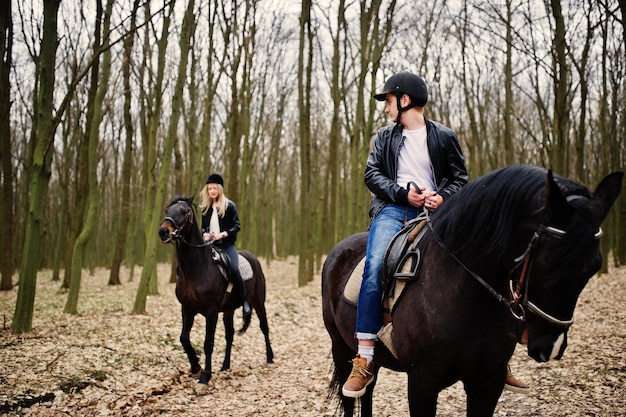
(384, 227)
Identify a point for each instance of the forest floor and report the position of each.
(108, 362)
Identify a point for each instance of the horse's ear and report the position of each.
(557, 209)
(605, 195)
(190, 199)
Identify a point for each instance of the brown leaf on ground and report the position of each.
(108, 362)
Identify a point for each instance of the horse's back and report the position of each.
(251, 257)
(341, 260)
(258, 277)
(339, 315)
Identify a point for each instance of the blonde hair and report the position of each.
(206, 201)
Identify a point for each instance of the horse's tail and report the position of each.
(335, 383)
(334, 388)
(246, 323)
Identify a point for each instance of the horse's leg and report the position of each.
(188, 319)
(422, 397)
(348, 406)
(482, 396)
(366, 400)
(229, 330)
(209, 338)
(259, 308)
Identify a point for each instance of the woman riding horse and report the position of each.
(220, 225)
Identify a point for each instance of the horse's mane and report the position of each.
(182, 199)
(478, 221)
(176, 199)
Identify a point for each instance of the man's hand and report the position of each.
(429, 200)
(433, 200)
(416, 198)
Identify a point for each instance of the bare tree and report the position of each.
(562, 96)
(305, 68)
(124, 213)
(6, 165)
(337, 92)
(42, 160)
(103, 75)
(150, 259)
(152, 113)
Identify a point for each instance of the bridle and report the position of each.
(519, 303)
(178, 233)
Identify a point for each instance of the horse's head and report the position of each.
(179, 219)
(562, 256)
(539, 230)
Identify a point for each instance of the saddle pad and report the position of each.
(385, 335)
(245, 269)
(351, 294)
(353, 286)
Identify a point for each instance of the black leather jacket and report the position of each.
(229, 224)
(381, 171)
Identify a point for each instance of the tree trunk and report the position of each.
(305, 62)
(64, 217)
(474, 139)
(561, 120)
(6, 166)
(71, 306)
(579, 171)
(152, 241)
(336, 92)
(41, 163)
(124, 213)
(509, 105)
(150, 147)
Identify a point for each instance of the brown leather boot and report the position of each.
(515, 385)
(360, 377)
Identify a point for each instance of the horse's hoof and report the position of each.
(204, 378)
(201, 389)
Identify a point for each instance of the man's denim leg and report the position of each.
(384, 227)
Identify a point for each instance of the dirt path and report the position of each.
(107, 362)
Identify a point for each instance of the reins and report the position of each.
(499, 297)
(518, 302)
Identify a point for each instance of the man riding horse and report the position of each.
(414, 150)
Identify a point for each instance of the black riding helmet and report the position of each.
(405, 83)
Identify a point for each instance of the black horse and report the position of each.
(512, 249)
(202, 289)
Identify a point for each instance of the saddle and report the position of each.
(402, 258)
(221, 259)
(400, 265)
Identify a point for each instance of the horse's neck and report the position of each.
(192, 255)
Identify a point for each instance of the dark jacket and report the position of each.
(381, 171)
(229, 224)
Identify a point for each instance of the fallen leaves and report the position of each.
(108, 362)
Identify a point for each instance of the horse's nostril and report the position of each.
(163, 232)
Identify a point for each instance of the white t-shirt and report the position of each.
(214, 223)
(414, 161)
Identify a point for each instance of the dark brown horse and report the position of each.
(202, 289)
(518, 227)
